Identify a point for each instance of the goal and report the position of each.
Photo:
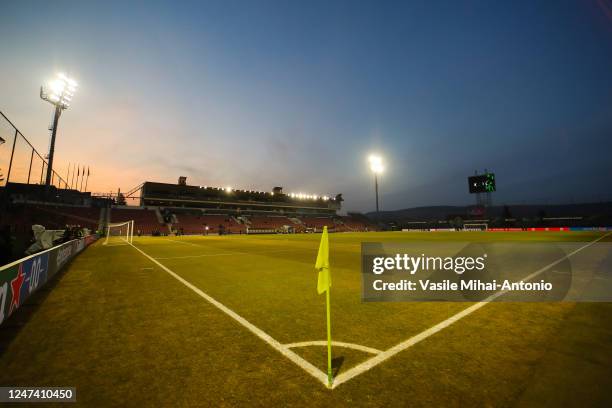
(476, 227)
(119, 233)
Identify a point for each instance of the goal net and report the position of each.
(119, 233)
(476, 227)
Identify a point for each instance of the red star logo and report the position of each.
(16, 289)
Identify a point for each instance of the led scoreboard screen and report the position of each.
(482, 184)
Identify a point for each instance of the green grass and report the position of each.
(124, 332)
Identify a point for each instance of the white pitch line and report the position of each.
(353, 346)
(374, 361)
(199, 256)
(299, 361)
(228, 254)
(181, 242)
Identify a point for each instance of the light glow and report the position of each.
(59, 91)
(376, 164)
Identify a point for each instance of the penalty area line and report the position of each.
(285, 351)
(385, 355)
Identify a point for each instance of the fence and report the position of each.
(20, 162)
(18, 280)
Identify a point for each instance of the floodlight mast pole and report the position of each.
(377, 167)
(376, 190)
(58, 112)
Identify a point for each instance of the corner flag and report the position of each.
(324, 285)
(322, 265)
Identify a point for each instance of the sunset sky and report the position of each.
(258, 94)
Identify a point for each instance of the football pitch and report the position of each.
(236, 320)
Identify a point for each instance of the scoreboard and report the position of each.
(484, 183)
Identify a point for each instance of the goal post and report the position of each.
(119, 233)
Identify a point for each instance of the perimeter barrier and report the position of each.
(20, 279)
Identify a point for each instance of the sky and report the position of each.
(258, 94)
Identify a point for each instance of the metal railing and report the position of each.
(20, 162)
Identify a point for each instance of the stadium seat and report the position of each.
(195, 224)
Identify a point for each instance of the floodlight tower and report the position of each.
(58, 93)
(376, 165)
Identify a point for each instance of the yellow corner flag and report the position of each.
(324, 285)
(322, 264)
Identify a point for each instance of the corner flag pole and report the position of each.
(324, 285)
(329, 351)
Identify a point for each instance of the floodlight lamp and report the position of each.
(60, 91)
(68, 81)
(57, 86)
(376, 164)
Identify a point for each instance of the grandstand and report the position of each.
(226, 210)
(269, 222)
